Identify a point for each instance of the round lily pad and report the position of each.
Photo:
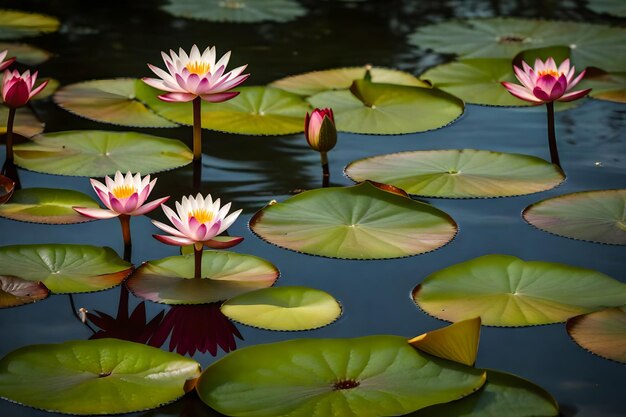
(110, 101)
(506, 291)
(15, 24)
(255, 111)
(608, 86)
(602, 332)
(359, 222)
(612, 7)
(387, 109)
(283, 308)
(239, 11)
(16, 292)
(102, 376)
(65, 268)
(311, 83)
(26, 54)
(25, 123)
(96, 153)
(457, 342)
(365, 377)
(47, 205)
(7, 186)
(463, 173)
(595, 216)
(224, 275)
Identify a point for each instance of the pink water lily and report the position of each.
(4, 64)
(18, 89)
(319, 130)
(546, 83)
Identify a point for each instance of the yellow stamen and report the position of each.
(123, 191)
(202, 215)
(553, 73)
(198, 67)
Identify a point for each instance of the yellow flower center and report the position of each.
(553, 73)
(202, 215)
(123, 191)
(198, 67)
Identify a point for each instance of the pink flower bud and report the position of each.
(320, 131)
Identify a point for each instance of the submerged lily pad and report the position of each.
(110, 101)
(16, 292)
(47, 205)
(26, 54)
(15, 24)
(457, 342)
(283, 308)
(365, 377)
(311, 83)
(388, 109)
(596, 216)
(102, 376)
(224, 275)
(359, 222)
(96, 153)
(65, 268)
(602, 332)
(463, 173)
(612, 7)
(240, 11)
(7, 186)
(25, 124)
(506, 291)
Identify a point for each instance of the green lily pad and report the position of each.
(26, 54)
(16, 292)
(65, 268)
(506, 291)
(283, 308)
(463, 173)
(15, 24)
(238, 11)
(365, 377)
(96, 153)
(255, 111)
(311, 83)
(591, 45)
(224, 275)
(595, 216)
(102, 376)
(25, 123)
(109, 101)
(602, 332)
(502, 395)
(608, 86)
(388, 109)
(47, 205)
(612, 7)
(359, 222)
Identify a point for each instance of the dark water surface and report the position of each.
(116, 39)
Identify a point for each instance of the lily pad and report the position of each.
(7, 186)
(96, 153)
(463, 173)
(25, 124)
(103, 376)
(595, 216)
(109, 101)
(602, 332)
(363, 377)
(608, 86)
(47, 205)
(255, 111)
(283, 308)
(16, 292)
(65, 268)
(26, 54)
(238, 11)
(457, 342)
(15, 24)
(359, 222)
(506, 291)
(388, 109)
(612, 7)
(311, 83)
(224, 275)
(502, 395)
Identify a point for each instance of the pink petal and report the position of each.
(559, 88)
(96, 213)
(523, 78)
(576, 80)
(520, 92)
(546, 82)
(160, 85)
(199, 233)
(116, 205)
(212, 232)
(177, 97)
(175, 241)
(17, 94)
(148, 207)
(224, 243)
(131, 203)
(6, 63)
(541, 95)
(574, 95)
(219, 97)
(176, 221)
(38, 89)
(564, 67)
(551, 65)
(168, 229)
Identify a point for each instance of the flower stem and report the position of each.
(325, 171)
(197, 175)
(554, 152)
(197, 258)
(197, 129)
(128, 244)
(9, 143)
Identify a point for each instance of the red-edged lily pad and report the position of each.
(16, 292)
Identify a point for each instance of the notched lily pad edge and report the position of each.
(570, 322)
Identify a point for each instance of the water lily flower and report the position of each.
(546, 83)
(320, 131)
(4, 64)
(18, 89)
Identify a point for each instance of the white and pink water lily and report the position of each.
(197, 222)
(196, 75)
(122, 195)
(546, 83)
(18, 89)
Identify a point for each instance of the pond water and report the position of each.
(116, 39)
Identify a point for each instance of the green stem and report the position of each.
(9, 143)
(197, 129)
(325, 170)
(554, 152)
(197, 257)
(128, 244)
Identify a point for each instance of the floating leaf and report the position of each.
(311, 83)
(359, 222)
(26, 54)
(236, 10)
(596, 216)
(16, 292)
(457, 342)
(15, 24)
(609, 86)
(507, 291)
(65, 268)
(283, 308)
(363, 377)
(7, 186)
(47, 205)
(602, 332)
(387, 109)
(96, 153)
(110, 101)
(25, 124)
(612, 7)
(103, 376)
(463, 173)
(224, 275)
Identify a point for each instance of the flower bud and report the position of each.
(320, 131)
(18, 89)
